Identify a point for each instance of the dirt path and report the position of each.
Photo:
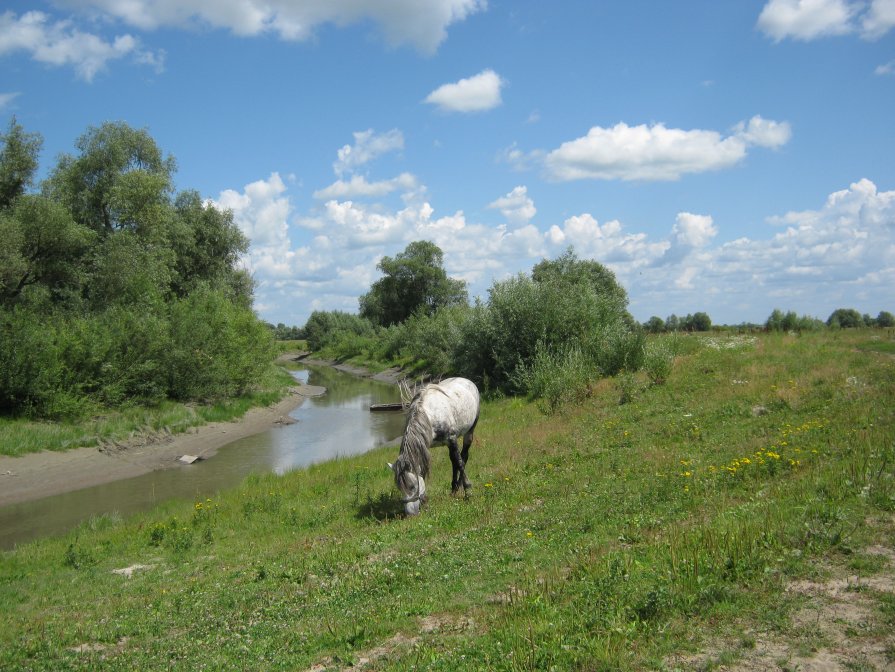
(47, 473)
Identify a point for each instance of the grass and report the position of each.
(19, 436)
(606, 536)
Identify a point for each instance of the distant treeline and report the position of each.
(841, 318)
(114, 289)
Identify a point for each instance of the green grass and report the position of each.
(606, 536)
(19, 436)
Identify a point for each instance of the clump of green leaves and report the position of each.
(114, 290)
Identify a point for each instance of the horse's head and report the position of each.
(412, 487)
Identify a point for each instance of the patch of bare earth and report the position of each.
(433, 624)
(840, 626)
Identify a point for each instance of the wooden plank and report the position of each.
(397, 406)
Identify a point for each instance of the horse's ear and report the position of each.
(390, 466)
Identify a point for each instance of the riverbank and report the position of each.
(37, 475)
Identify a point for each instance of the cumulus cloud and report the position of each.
(420, 23)
(690, 233)
(807, 20)
(764, 132)
(60, 43)
(474, 94)
(885, 69)
(659, 153)
(261, 211)
(813, 261)
(878, 20)
(516, 206)
(840, 254)
(367, 146)
(359, 187)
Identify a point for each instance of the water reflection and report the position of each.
(338, 423)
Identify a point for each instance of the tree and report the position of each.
(207, 242)
(673, 323)
(18, 162)
(845, 318)
(414, 280)
(885, 319)
(120, 180)
(570, 270)
(41, 246)
(655, 325)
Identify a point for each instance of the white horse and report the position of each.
(440, 413)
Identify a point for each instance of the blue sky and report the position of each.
(726, 157)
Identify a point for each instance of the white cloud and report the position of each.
(261, 211)
(764, 132)
(657, 152)
(811, 19)
(806, 19)
(59, 43)
(7, 98)
(693, 230)
(885, 69)
(367, 146)
(358, 187)
(420, 23)
(878, 20)
(516, 206)
(606, 243)
(811, 261)
(474, 94)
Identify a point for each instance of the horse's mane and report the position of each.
(417, 435)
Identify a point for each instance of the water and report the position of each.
(336, 424)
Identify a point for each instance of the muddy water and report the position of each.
(336, 424)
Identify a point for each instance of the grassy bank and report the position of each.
(19, 436)
(665, 532)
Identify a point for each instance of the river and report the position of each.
(335, 424)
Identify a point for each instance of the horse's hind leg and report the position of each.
(457, 464)
(464, 456)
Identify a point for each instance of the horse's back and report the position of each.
(464, 401)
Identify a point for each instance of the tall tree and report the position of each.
(119, 180)
(207, 242)
(42, 246)
(18, 162)
(414, 280)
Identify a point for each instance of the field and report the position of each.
(740, 515)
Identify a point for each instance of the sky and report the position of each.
(724, 157)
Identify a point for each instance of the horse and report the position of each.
(440, 413)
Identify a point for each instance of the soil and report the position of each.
(47, 473)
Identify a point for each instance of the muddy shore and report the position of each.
(38, 475)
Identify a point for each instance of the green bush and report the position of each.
(657, 361)
(431, 340)
(524, 318)
(31, 371)
(218, 348)
(325, 327)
